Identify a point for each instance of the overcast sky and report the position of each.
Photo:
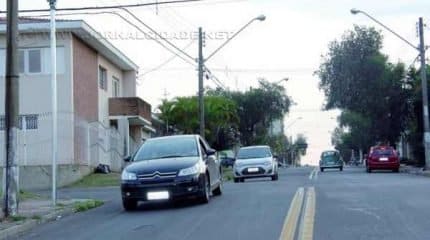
(288, 44)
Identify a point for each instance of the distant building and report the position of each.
(100, 118)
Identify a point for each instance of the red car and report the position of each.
(383, 158)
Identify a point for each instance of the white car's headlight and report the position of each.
(128, 175)
(190, 171)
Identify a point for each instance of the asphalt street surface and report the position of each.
(303, 204)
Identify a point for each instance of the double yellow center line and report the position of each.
(306, 223)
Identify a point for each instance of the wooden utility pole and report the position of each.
(10, 192)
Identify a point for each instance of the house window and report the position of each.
(2, 123)
(102, 78)
(115, 87)
(31, 122)
(34, 61)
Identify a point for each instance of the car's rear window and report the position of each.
(383, 152)
(328, 154)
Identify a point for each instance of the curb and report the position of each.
(17, 230)
(418, 172)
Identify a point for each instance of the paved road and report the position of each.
(305, 203)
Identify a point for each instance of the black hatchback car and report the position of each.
(170, 168)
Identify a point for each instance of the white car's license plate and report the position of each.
(162, 195)
(252, 170)
(383, 159)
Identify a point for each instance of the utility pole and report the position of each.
(201, 88)
(52, 4)
(11, 110)
(422, 49)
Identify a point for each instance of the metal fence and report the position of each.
(79, 142)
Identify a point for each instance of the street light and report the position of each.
(294, 121)
(422, 50)
(260, 18)
(201, 63)
(52, 4)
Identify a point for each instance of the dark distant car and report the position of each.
(227, 161)
(331, 159)
(255, 162)
(227, 158)
(170, 168)
(382, 158)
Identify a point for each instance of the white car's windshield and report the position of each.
(248, 153)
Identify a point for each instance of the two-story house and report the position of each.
(100, 118)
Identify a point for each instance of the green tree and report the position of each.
(256, 109)
(414, 133)
(358, 79)
(220, 114)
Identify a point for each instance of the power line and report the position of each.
(215, 79)
(156, 33)
(165, 62)
(108, 7)
(129, 22)
(413, 62)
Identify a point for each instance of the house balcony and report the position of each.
(136, 110)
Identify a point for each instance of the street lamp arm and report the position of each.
(355, 11)
(234, 35)
(291, 124)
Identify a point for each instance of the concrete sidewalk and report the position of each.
(33, 212)
(414, 170)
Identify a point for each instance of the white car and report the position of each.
(255, 162)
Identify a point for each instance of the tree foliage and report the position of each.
(371, 92)
(257, 108)
(220, 115)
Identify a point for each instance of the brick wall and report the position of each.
(85, 93)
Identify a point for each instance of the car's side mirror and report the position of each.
(127, 159)
(210, 152)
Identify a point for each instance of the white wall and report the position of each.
(104, 95)
(35, 98)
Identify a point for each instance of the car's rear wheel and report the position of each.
(368, 169)
(341, 169)
(129, 205)
(241, 179)
(322, 169)
(396, 170)
(236, 180)
(205, 194)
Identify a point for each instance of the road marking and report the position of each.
(308, 220)
(314, 174)
(290, 223)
